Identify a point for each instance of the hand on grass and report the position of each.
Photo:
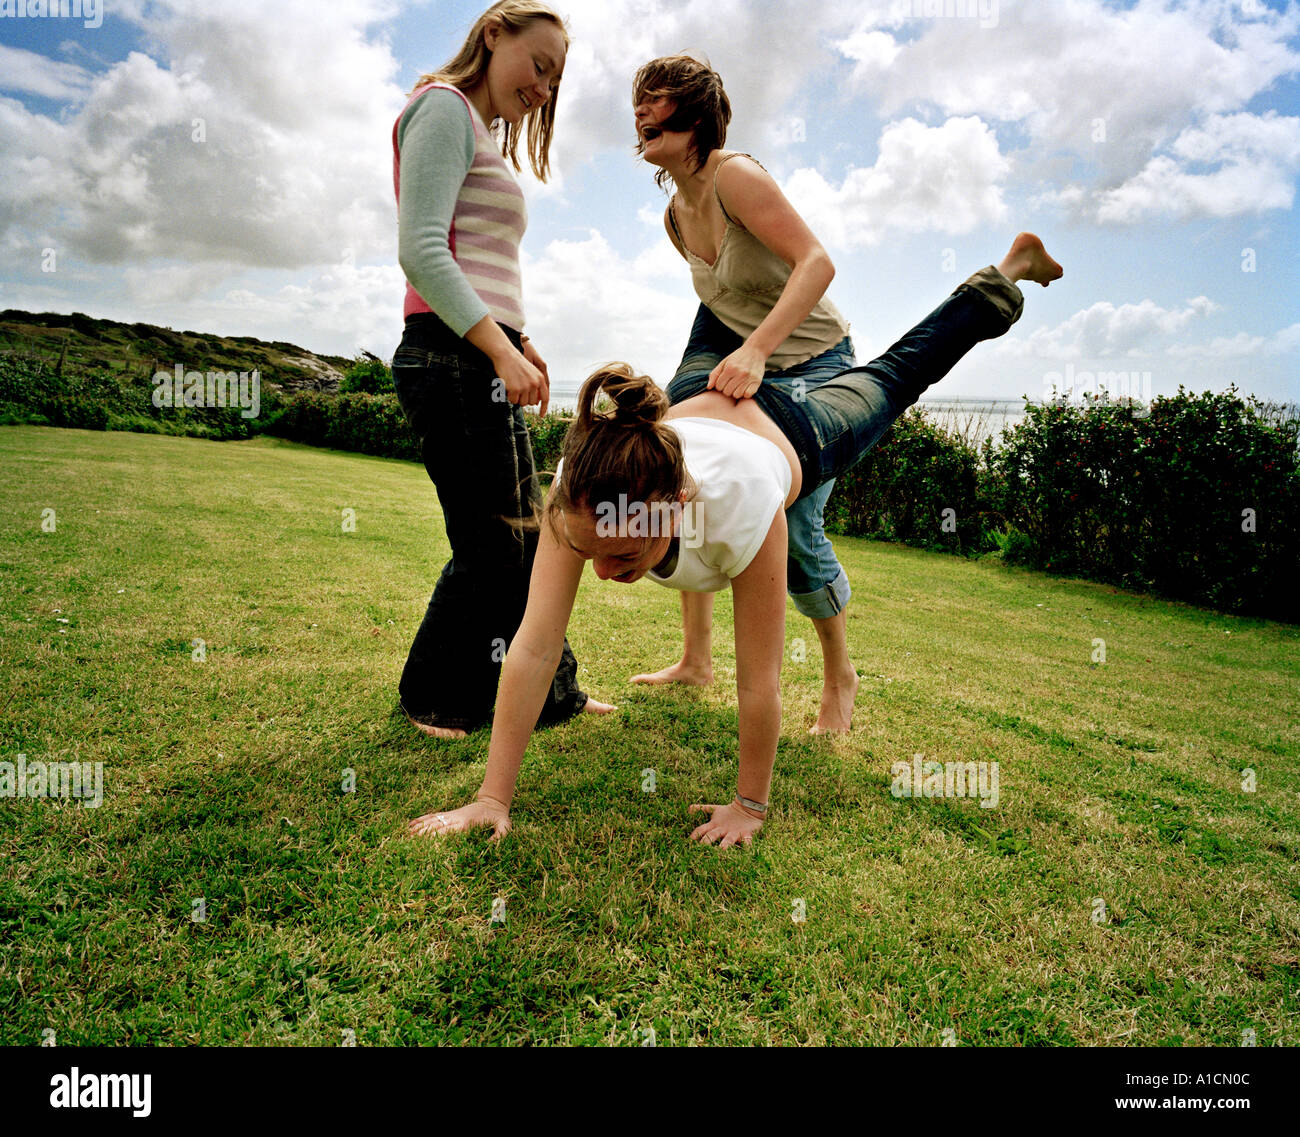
(729, 822)
(459, 820)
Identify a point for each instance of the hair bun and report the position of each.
(638, 400)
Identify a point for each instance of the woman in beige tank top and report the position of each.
(764, 321)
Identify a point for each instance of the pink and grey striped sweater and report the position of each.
(461, 213)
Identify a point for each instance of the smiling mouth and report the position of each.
(524, 99)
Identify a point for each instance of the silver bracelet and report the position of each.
(755, 806)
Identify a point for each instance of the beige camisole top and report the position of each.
(743, 285)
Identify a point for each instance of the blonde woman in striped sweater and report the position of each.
(464, 370)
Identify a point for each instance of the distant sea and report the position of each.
(970, 418)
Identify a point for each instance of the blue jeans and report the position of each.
(478, 454)
(815, 579)
(833, 425)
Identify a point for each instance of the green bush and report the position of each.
(367, 424)
(1198, 499)
(368, 377)
(905, 487)
(547, 437)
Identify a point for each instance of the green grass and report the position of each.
(223, 780)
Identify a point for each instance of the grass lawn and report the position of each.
(1126, 889)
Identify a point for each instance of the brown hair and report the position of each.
(702, 105)
(468, 67)
(627, 450)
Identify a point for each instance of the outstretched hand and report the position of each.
(740, 374)
(729, 823)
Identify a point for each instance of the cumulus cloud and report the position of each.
(222, 144)
(34, 74)
(1285, 342)
(1257, 157)
(583, 297)
(1121, 81)
(943, 179)
(1105, 331)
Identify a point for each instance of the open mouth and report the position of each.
(524, 99)
(650, 132)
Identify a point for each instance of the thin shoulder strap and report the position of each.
(724, 160)
(676, 233)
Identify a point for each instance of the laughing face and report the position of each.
(525, 68)
(652, 111)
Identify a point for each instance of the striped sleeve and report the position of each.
(436, 139)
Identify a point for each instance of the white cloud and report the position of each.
(1105, 331)
(1257, 155)
(34, 74)
(222, 145)
(1070, 71)
(582, 297)
(1285, 342)
(944, 179)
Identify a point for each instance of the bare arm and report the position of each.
(754, 199)
(759, 602)
(530, 663)
(525, 678)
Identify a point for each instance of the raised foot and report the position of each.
(836, 715)
(1028, 260)
(679, 672)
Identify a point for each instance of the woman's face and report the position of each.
(524, 68)
(658, 145)
(616, 549)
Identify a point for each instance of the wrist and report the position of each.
(486, 798)
(755, 809)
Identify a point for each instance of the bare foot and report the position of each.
(1028, 260)
(445, 732)
(836, 715)
(679, 672)
(592, 707)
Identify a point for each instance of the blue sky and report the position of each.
(226, 168)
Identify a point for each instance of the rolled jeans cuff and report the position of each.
(999, 291)
(828, 601)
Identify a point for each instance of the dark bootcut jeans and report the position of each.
(478, 454)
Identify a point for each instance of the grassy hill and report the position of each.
(139, 350)
(1132, 887)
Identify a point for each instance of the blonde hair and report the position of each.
(467, 68)
(627, 450)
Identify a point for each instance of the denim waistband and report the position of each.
(430, 331)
